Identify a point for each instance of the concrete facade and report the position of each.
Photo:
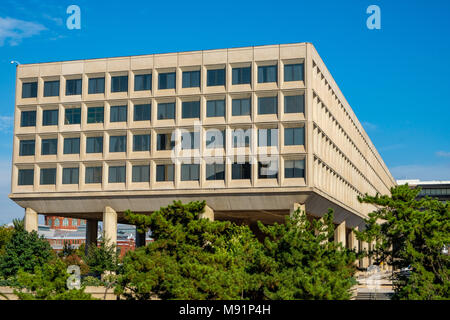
(340, 161)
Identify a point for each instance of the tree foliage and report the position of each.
(24, 250)
(193, 258)
(411, 232)
(102, 258)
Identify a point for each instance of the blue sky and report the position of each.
(396, 79)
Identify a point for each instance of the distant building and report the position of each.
(55, 222)
(435, 189)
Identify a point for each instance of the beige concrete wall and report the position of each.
(102, 293)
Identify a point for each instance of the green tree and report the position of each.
(102, 258)
(5, 236)
(25, 250)
(47, 282)
(411, 232)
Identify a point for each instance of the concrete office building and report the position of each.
(439, 189)
(92, 138)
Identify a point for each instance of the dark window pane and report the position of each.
(141, 142)
(215, 171)
(166, 111)
(191, 79)
(242, 75)
(96, 85)
(71, 145)
(26, 177)
(190, 172)
(51, 88)
(142, 112)
(141, 173)
(267, 74)
(294, 136)
(72, 116)
(164, 141)
(294, 104)
(93, 175)
(166, 80)
(216, 77)
(70, 176)
(119, 84)
(268, 170)
(267, 105)
(165, 172)
(241, 107)
(118, 114)
(50, 117)
(215, 108)
(117, 143)
(142, 82)
(293, 72)
(27, 148)
(215, 138)
(95, 115)
(117, 174)
(241, 171)
(49, 146)
(190, 109)
(29, 90)
(294, 168)
(48, 176)
(94, 145)
(28, 119)
(241, 138)
(267, 137)
(73, 87)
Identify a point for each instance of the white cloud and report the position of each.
(422, 172)
(14, 30)
(6, 123)
(444, 154)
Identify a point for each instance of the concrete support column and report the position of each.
(140, 239)
(207, 214)
(31, 220)
(110, 225)
(365, 260)
(340, 234)
(295, 206)
(352, 241)
(91, 233)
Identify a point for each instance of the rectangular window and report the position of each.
(190, 109)
(241, 171)
(164, 141)
(51, 88)
(294, 104)
(96, 115)
(96, 85)
(26, 148)
(242, 75)
(142, 112)
(93, 175)
(72, 116)
(241, 107)
(117, 174)
(73, 87)
(71, 145)
(215, 138)
(190, 172)
(26, 177)
(267, 105)
(215, 108)
(118, 144)
(166, 80)
(142, 82)
(49, 146)
(94, 145)
(268, 170)
(28, 119)
(141, 142)
(165, 172)
(166, 111)
(241, 138)
(191, 79)
(70, 175)
(190, 140)
(29, 90)
(141, 173)
(48, 176)
(267, 74)
(119, 84)
(118, 114)
(268, 137)
(50, 117)
(216, 77)
(294, 168)
(215, 171)
(293, 72)
(294, 136)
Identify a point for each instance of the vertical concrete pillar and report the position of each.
(91, 233)
(340, 234)
(352, 241)
(140, 239)
(207, 214)
(110, 225)
(365, 260)
(31, 220)
(295, 206)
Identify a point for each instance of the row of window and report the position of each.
(142, 112)
(164, 141)
(142, 82)
(164, 172)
